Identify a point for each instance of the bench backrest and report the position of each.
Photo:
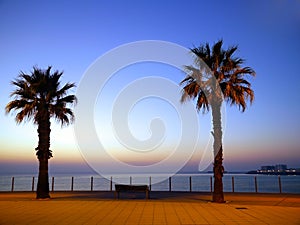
(124, 187)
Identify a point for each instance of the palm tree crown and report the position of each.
(228, 73)
(40, 92)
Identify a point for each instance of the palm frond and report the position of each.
(64, 89)
(202, 102)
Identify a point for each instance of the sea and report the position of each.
(158, 182)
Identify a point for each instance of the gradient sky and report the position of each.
(70, 35)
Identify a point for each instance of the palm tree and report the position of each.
(218, 76)
(39, 97)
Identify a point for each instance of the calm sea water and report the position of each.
(179, 182)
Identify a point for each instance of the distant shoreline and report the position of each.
(274, 173)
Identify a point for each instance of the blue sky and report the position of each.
(70, 35)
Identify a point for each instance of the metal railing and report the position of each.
(264, 184)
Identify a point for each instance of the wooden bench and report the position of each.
(131, 188)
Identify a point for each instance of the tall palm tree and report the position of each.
(39, 97)
(218, 76)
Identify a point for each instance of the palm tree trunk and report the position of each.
(43, 154)
(43, 180)
(218, 195)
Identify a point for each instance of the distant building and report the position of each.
(279, 169)
(272, 169)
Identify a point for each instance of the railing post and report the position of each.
(52, 184)
(12, 184)
(232, 183)
(150, 183)
(72, 184)
(130, 180)
(170, 184)
(92, 183)
(190, 183)
(255, 183)
(211, 185)
(279, 183)
(111, 183)
(32, 184)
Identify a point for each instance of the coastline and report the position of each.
(282, 173)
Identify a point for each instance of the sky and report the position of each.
(71, 35)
